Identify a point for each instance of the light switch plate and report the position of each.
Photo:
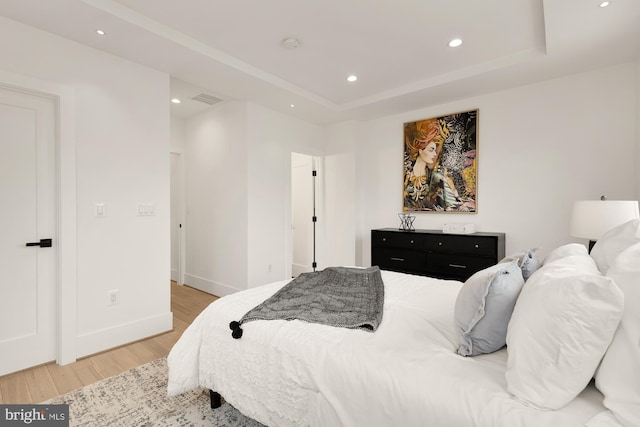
(146, 209)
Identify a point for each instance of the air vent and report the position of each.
(207, 99)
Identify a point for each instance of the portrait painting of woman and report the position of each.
(440, 164)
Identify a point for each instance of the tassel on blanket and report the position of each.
(235, 327)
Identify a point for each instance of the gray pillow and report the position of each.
(484, 306)
(527, 261)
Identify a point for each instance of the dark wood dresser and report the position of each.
(434, 253)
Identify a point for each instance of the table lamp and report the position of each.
(590, 219)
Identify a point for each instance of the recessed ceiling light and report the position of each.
(604, 4)
(352, 78)
(455, 43)
(290, 43)
(175, 100)
(101, 32)
(292, 105)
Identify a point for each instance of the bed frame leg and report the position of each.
(216, 399)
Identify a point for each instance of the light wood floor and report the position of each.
(46, 381)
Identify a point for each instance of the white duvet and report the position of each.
(292, 373)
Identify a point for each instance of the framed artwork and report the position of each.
(440, 164)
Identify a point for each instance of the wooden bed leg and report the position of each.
(216, 399)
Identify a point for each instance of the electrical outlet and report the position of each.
(114, 297)
(100, 210)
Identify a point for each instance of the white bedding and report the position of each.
(292, 373)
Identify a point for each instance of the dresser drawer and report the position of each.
(473, 245)
(399, 260)
(406, 240)
(459, 266)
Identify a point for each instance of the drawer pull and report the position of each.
(397, 259)
(412, 242)
(439, 243)
(477, 246)
(457, 266)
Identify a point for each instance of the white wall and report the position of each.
(122, 137)
(272, 137)
(238, 168)
(340, 197)
(178, 129)
(216, 197)
(540, 147)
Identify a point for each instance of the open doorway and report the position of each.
(302, 213)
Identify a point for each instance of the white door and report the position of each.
(27, 193)
(176, 219)
(302, 213)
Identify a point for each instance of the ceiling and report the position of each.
(233, 50)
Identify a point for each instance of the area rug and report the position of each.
(139, 398)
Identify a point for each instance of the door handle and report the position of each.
(43, 243)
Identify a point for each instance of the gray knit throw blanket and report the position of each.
(336, 296)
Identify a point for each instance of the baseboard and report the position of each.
(105, 339)
(209, 286)
(297, 269)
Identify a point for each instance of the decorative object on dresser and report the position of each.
(435, 253)
(456, 228)
(439, 164)
(406, 222)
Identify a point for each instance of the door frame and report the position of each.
(66, 205)
(317, 165)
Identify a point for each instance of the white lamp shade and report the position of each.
(590, 219)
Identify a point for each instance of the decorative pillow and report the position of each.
(565, 251)
(618, 376)
(527, 261)
(562, 323)
(483, 308)
(613, 242)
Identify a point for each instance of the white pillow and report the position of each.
(613, 242)
(618, 376)
(569, 260)
(563, 321)
(484, 306)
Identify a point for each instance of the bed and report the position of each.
(408, 372)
